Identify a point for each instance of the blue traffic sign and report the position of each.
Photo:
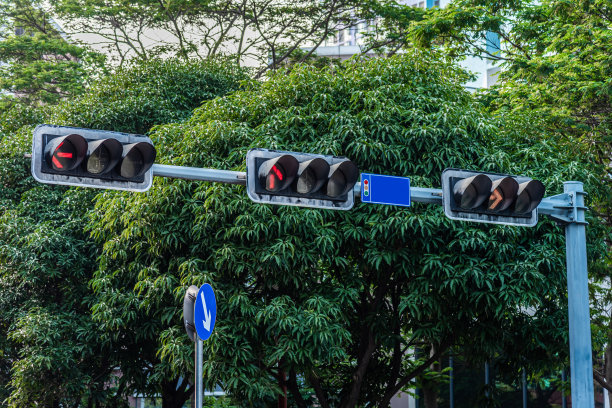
(381, 189)
(205, 312)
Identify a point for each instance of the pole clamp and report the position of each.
(565, 207)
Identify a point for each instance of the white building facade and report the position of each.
(349, 42)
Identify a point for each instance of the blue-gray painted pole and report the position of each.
(198, 372)
(581, 364)
(451, 390)
(524, 388)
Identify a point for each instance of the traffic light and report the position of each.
(491, 197)
(189, 311)
(301, 179)
(92, 158)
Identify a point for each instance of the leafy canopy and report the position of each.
(52, 351)
(328, 303)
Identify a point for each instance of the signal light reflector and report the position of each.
(491, 197)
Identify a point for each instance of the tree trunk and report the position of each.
(282, 399)
(174, 395)
(430, 388)
(430, 397)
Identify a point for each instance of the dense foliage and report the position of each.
(39, 66)
(327, 304)
(52, 352)
(556, 65)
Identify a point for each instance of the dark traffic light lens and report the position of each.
(99, 160)
(132, 164)
(522, 203)
(471, 192)
(336, 184)
(306, 182)
(530, 195)
(470, 197)
(64, 156)
(275, 177)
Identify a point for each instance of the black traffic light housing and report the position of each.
(491, 197)
(301, 179)
(189, 311)
(92, 158)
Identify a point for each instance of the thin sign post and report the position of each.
(205, 315)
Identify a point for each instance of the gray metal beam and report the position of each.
(194, 173)
(559, 206)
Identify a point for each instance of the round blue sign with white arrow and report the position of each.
(205, 312)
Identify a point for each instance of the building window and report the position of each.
(436, 3)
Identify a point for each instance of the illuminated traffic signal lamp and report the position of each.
(491, 197)
(301, 179)
(92, 158)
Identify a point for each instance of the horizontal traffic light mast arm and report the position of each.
(194, 173)
(559, 207)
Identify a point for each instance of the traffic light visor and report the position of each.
(503, 193)
(66, 153)
(188, 311)
(137, 159)
(103, 155)
(312, 174)
(342, 178)
(471, 192)
(530, 194)
(277, 174)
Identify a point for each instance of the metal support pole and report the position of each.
(524, 375)
(198, 372)
(487, 376)
(581, 363)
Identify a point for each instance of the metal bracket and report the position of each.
(564, 207)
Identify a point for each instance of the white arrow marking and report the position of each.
(207, 320)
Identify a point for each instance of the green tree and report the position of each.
(260, 31)
(327, 305)
(40, 65)
(556, 65)
(52, 352)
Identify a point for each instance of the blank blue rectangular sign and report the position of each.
(381, 189)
